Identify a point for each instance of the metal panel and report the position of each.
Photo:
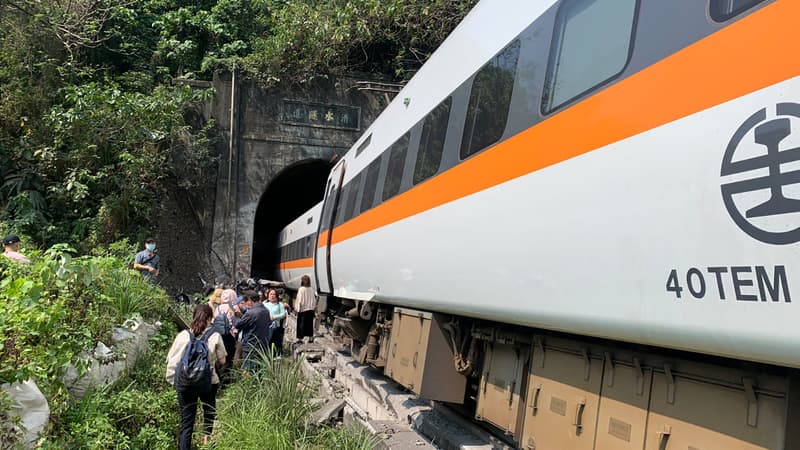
(622, 419)
(420, 359)
(690, 413)
(502, 384)
(563, 398)
(409, 337)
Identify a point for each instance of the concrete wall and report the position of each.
(273, 129)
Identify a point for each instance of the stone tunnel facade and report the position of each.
(275, 142)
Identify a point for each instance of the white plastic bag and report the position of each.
(30, 406)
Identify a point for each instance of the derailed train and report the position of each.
(583, 215)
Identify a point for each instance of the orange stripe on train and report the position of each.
(754, 52)
(304, 263)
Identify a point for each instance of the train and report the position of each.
(580, 218)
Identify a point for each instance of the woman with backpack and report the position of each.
(191, 368)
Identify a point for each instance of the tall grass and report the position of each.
(270, 408)
(127, 293)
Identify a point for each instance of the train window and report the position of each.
(370, 184)
(394, 173)
(327, 208)
(343, 196)
(429, 156)
(489, 100)
(363, 145)
(350, 209)
(591, 45)
(722, 10)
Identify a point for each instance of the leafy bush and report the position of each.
(60, 306)
(139, 411)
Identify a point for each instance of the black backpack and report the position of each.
(222, 325)
(194, 370)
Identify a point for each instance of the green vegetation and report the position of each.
(62, 305)
(271, 408)
(54, 313)
(139, 411)
(93, 127)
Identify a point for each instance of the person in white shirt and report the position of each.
(187, 398)
(305, 303)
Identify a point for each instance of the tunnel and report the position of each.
(294, 190)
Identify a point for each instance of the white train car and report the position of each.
(593, 205)
(297, 242)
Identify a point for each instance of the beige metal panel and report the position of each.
(691, 414)
(562, 403)
(625, 395)
(502, 383)
(439, 379)
(420, 358)
(408, 338)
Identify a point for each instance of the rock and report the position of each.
(102, 352)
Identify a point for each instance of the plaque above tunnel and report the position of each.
(321, 115)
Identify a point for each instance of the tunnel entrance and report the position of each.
(294, 190)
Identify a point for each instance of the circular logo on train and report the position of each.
(761, 175)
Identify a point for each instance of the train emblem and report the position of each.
(759, 204)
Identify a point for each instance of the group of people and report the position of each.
(233, 327)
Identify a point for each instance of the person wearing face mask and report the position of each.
(146, 261)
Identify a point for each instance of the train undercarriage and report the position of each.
(546, 390)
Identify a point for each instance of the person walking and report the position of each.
(305, 303)
(147, 261)
(11, 246)
(200, 329)
(254, 328)
(277, 314)
(223, 323)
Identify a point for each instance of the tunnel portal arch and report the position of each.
(294, 190)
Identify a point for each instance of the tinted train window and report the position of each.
(394, 173)
(343, 196)
(363, 145)
(327, 208)
(370, 183)
(591, 45)
(489, 100)
(722, 10)
(350, 210)
(431, 144)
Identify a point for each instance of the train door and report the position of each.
(322, 258)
